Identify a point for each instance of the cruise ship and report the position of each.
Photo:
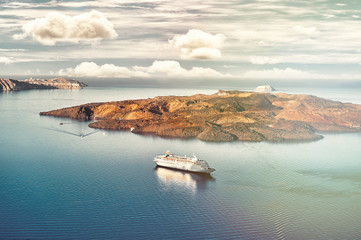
(191, 164)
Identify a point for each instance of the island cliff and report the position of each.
(28, 84)
(15, 85)
(59, 83)
(224, 116)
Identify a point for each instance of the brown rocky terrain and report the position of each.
(224, 116)
(28, 84)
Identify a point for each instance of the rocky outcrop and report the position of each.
(28, 84)
(59, 83)
(224, 116)
(82, 113)
(15, 85)
(8, 84)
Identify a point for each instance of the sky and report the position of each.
(229, 40)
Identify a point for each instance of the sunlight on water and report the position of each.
(56, 184)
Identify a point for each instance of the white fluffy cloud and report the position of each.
(197, 44)
(91, 69)
(59, 27)
(6, 60)
(157, 69)
(174, 69)
(288, 73)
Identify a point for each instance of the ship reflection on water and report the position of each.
(181, 180)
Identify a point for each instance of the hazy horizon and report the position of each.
(196, 83)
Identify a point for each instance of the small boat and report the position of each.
(191, 164)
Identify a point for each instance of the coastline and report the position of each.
(8, 85)
(223, 117)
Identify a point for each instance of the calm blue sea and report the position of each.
(56, 185)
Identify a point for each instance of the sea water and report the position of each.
(55, 184)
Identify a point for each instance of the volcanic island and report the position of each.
(8, 85)
(223, 117)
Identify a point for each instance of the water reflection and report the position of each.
(180, 180)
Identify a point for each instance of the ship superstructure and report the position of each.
(192, 164)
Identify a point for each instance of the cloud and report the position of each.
(306, 30)
(6, 60)
(17, 5)
(91, 69)
(328, 15)
(197, 44)
(260, 60)
(167, 67)
(157, 69)
(288, 73)
(59, 27)
(319, 34)
(174, 69)
(12, 50)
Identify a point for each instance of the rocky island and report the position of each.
(223, 116)
(264, 89)
(28, 84)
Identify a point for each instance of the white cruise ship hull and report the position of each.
(191, 167)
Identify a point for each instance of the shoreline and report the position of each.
(223, 117)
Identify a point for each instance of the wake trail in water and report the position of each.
(71, 133)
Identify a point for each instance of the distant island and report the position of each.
(28, 84)
(223, 116)
(264, 88)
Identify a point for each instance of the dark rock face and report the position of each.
(84, 113)
(15, 85)
(225, 116)
(7, 84)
